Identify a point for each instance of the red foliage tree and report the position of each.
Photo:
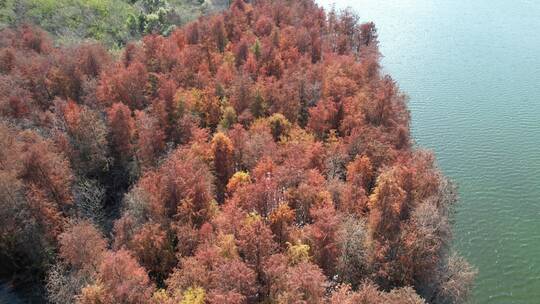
(35, 39)
(154, 249)
(359, 183)
(48, 178)
(255, 243)
(232, 279)
(323, 237)
(35, 195)
(322, 118)
(124, 85)
(87, 135)
(150, 141)
(182, 186)
(304, 283)
(123, 279)
(122, 131)
(82, 246)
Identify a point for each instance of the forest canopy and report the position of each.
(111, 22)
(257, 155)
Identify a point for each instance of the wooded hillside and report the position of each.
(259, 155)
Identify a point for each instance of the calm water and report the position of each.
(472, 71)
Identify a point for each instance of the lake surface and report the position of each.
(472, 71)
(7, 295)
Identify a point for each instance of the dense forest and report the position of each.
(112, 22)
(258, 155)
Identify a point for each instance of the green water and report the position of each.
(472, 71)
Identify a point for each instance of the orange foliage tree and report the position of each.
(256, 155)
